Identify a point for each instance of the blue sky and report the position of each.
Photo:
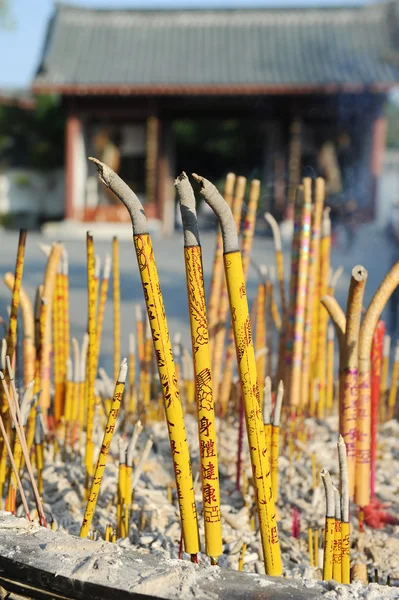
(20, 46)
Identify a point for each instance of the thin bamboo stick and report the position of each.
(106, 443)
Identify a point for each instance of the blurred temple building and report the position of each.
(272, 93)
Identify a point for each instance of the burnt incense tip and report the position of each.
(181, 177)
(104, 172)
(359, 273)
(198, 178)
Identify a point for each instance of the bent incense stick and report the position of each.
(345, 525)
(329, 525)
(220, 332)
(246, 247)
(247, 371)
(202, 369)
(217, 276)
(370, 320)
(106, 443)
(350, 371)
(163, 351)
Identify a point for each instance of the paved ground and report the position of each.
(371, 249)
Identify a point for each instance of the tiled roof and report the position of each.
(234, 48)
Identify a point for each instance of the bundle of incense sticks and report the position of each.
(81, 405)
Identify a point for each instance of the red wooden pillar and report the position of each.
(377, 158)
(73, 128)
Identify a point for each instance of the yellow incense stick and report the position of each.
(393, 390)
(310, 546)
(300, 305)
(202, 369)
(217, 277)
(220, 332)
(329, 533)
(325, 246)
(247, 371)
(337, 552)
(163, 351)
(92, 353)
(106, 443)
(117, 305)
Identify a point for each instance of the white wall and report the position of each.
(32, 191)
(388, 188)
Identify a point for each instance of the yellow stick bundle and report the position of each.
(345, 525)
(163, 351)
